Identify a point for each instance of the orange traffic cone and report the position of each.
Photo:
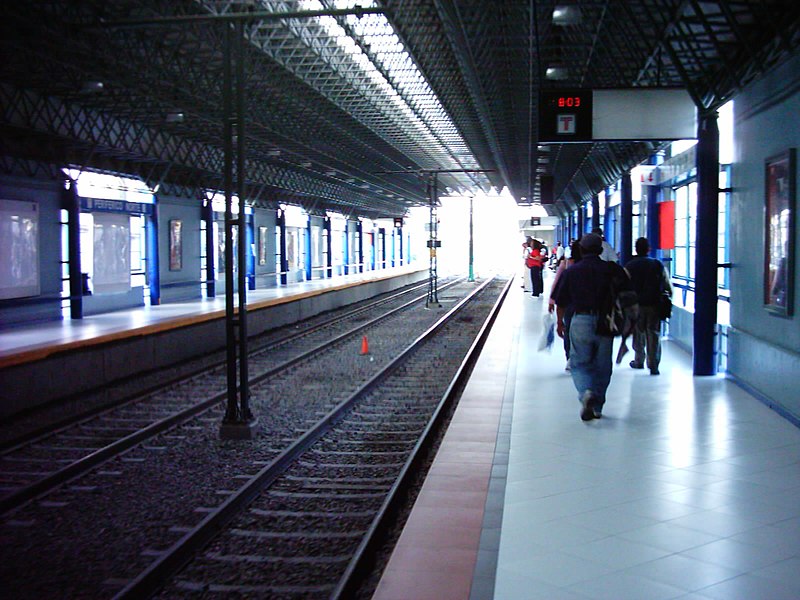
(364, 345)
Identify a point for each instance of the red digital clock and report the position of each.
(569, 101)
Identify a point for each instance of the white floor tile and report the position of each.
(687, 488)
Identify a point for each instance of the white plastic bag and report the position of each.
(548, 331)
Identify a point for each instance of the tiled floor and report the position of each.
(686, 488)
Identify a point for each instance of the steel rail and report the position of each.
(54, 428)
(101, 455)
(361, 565)
(182, 551)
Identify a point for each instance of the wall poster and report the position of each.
(779, 232)
(19, 249)
(262, 245)
(175, 246)
(112, 252)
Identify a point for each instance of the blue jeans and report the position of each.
(589, 357)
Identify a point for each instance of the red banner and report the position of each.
(666, 223)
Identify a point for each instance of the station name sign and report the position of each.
(586, 115)
(118, 206)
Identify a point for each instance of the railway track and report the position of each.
(307, 524)
(104, 528)
(34, 466)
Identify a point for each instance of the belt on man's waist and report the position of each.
(585, 312)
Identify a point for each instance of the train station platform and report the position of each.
(688, 487)
(43, 361)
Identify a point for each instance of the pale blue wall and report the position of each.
(764, 349)
(184, 284)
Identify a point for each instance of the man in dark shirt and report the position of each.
(583, 288)
(650, 280)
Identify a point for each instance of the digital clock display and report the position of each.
(565, 115)
(569, 101)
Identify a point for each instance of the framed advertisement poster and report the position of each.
(779, 232)
(175, 246)
(262, 245)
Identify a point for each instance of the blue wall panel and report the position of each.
(764, 349)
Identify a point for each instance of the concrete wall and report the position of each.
(764, 349)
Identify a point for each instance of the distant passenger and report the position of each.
(608, 253)
(536, 264)
(583, 288)
(563, 264)
(650, 280)
(526, 252)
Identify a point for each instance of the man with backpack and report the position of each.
(585, 288)
(650, 280)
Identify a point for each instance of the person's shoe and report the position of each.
(655, 372)
(635, 366)
(588, 401)
(623, 350)
(597, 413)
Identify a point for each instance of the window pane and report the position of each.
(681, 232)
(681, 199)
(692, 254)
(680, 262)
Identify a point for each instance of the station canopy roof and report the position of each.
(351, 106)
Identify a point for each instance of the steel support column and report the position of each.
(626, 219)
(471, 276)
(329, 249)
(595, 211)
(211, 249)
(238, 422)
(360, 233)
(72, 204)
(433, 242)
(705, 299)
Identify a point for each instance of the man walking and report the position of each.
(583, 287)
(650, 280)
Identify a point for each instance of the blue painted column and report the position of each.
(607, 225)
(251, 257)
(595, 211)
(153, 259)
(284, 262)
(626, 216)
(581, 225)
(653, 224)
(705, 301)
